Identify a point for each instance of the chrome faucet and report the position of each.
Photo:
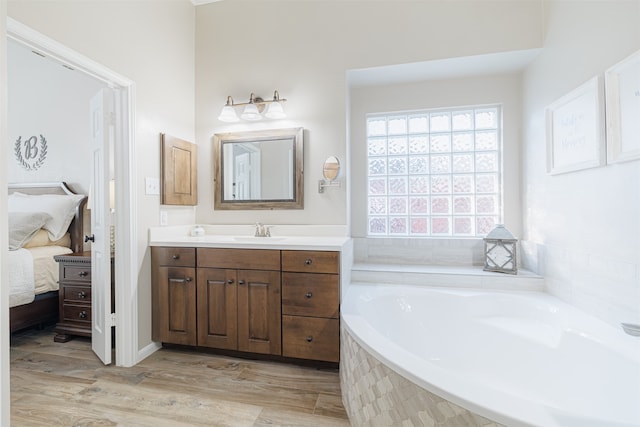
(262, 230)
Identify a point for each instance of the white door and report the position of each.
(256, 184)
(243, 180)
(102, 136)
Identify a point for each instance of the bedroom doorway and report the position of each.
(126, 351)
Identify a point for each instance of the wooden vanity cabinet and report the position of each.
(276, 302)
(173, 295)
(310, 305)
(239, 306)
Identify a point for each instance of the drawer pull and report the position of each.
(230, 282)
(309, 338)
(175, 257)
(308, 261)
(187, 279)
(82, 274)
(308, 295)
(82, 314)
(240, 282)
(82, 295)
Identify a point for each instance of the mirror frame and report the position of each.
(219, 139)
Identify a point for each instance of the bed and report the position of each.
(45, 219)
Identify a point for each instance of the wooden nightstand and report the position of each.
(74, 295)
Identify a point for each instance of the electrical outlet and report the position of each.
(164, 218)
(152, 186)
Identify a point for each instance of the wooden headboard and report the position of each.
(76, 229)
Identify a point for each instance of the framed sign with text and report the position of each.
(622, 84)
(575, 129)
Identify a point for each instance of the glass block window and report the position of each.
(434, 172)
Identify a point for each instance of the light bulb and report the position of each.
(251, 113)
(275, 111)
(228, 114)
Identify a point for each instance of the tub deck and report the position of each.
(507, 357)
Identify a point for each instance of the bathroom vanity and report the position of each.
(272, 295)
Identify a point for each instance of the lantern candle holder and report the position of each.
(500, 251)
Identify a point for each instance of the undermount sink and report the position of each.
(254, 239)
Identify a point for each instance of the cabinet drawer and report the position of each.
(246, 259)
(311, 338)
(310, 294)
(311, 261)
(76, 313)
(77, 293)
(78, 273)
(178, 257)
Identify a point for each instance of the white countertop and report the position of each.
(319, 238)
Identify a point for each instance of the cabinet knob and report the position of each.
(83, 273)
(308, 261)
(82, 295)
(174, 257)
(308, 295)
(309, 338)
(187, 279)
(82, 314)
(230, 282)
(240, 282)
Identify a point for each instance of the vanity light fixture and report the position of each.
(253, 109)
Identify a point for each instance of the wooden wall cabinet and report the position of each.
(179, 171)
(252, 300)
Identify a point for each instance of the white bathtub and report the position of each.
(516, 358)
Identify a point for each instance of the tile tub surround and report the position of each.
(445, 276)
(427, 251)
(375, 395)
(600, 284)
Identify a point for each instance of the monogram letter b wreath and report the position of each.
(30, 153)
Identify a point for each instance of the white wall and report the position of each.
(583, 228)
(5, 416)
(304, 50)
(501, 89)
(151, 43)
(48, 99)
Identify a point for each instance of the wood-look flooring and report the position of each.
(64, 384)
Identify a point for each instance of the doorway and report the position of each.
(124, 174)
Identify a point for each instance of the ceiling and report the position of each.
(199, 2)
(450, 68)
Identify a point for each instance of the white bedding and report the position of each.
(21, 277)
(33, 271)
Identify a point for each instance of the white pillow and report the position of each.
(61, 208)
(23, 226)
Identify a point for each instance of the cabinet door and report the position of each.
(217, 314)
(259, 322)
(176, 290)
(179, 170)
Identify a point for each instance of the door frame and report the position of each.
(126, 255)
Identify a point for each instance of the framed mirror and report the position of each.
(259, 169)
